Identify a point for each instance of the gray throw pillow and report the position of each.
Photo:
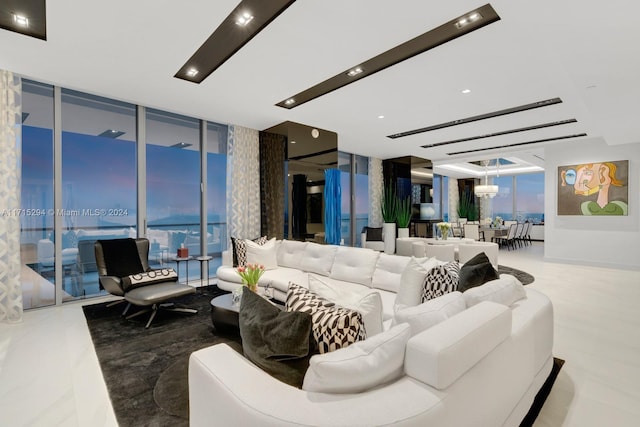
(277, 341)
(475, 272)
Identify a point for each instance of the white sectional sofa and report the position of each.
(481, 364)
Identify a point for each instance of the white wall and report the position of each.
(606, 241)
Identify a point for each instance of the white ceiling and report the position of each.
(584, 52)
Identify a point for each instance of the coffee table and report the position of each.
(224, 314)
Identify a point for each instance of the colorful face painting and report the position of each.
(599, 188)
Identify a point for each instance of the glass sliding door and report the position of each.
(173, 189)
(37, 247)
(216, 194)
(344, 164)
(361, 196)
(98, 184)
(529, 191)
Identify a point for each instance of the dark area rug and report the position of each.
(524, 277)
(542, 395)
(146, 369)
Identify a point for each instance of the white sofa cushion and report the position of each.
(412, 282)
(361, 366)
(443, 353)
(505, 290)
(430, 313)
(290, 254)
(365, 301)
(318, 258)
(388, 272)
(354, 265)
(265, 254)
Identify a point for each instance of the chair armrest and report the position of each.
(112, 284)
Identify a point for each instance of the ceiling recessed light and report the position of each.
(466, 90)
(23, 21)
(469, 19)
(289, 101)
(381, 116)
(354, 72)
(315, 133)
(244, 19)
(192, 72)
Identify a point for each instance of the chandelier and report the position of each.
(486, 190)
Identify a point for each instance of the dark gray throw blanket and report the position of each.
(121, 257)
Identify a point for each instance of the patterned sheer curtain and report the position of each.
(243, 183)
(375, 192)
(10, 154)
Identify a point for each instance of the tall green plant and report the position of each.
(467, 207)
(404, 212)
(464, 204)
(389, 204)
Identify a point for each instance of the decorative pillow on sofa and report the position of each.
(333, 327)
(265, 254)
(441, 280)
(361, 366)
(476, 271)
(365, 301)
(277, 341)
(505, 290)
(148, 278)
(240, 249)
(412, 282)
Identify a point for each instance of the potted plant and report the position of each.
(404, 216)
(464, 205)
(389, 215)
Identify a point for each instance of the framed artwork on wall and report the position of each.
(598, 188)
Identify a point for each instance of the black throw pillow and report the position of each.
(277, 341)
(475, 272)
(121, 257)
(374, 234)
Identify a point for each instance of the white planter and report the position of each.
(389, 236)
(403, 232)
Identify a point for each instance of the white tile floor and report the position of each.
(50, 376)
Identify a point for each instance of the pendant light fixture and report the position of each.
(486, 190)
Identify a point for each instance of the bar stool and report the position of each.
(202, 259)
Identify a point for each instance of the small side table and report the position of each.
(203, 259)
(177, 260)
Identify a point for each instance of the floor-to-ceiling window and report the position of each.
(80, 180)
(216, 193)
(361, 196)
(530, 197)
(502, 203)
(98, 183)
(36, 217)
(173, 188)
(344, 164)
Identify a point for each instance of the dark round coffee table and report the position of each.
(224, 314)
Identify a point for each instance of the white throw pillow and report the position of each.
(412, 283)
(430, 313)
(505, 290)
(361, 366)
(266, 254)
(367, 302)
